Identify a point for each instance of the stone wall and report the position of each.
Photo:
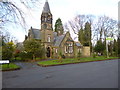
(86, 51)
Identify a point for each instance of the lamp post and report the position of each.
(107, 48)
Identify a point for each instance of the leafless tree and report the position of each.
(7, 37)
(106, 27)
(11, 11)
(78, 22)
(101, 27)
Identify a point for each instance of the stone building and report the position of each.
(55, 43)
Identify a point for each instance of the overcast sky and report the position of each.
(67, 9)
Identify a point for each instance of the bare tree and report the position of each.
(75, 24)
(106, 27)
(7, 37)
(101, 27)
(12, 13)
(78, 22)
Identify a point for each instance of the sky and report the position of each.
(66, 10)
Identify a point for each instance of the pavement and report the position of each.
(102, 74)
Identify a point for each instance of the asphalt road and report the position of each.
(103, 74)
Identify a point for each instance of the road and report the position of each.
(102, 74)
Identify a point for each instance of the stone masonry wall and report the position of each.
(86, 51)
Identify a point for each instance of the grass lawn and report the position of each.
(73, 60)
(10, 66)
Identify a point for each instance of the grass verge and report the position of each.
(9, 67)
(73, 61)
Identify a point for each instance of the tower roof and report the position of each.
(46, 8)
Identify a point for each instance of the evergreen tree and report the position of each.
(118, 43)
(59, 26)
(100, 47)
(81, 36)
(87, 34)
(110, 48)
(115, 48)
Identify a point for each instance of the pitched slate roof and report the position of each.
(36, 33)
(55, 34)
(46, 8)
(58, 40)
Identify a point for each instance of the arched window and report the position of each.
(48, 52)
(49, 39)
(45, 19)
(70, 48)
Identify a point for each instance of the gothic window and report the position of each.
(42, 19)
(56, 50)
(45, 19)
(48, 19)
(49, 39)
(66, 49)
(70, 50)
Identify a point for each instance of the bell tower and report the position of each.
(46, 17)
(46, 31)
(46, 25)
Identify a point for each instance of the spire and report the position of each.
(46, 8)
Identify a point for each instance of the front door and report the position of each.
(48, 52)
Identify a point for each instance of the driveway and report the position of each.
(102, 74)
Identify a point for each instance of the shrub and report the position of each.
(63, 56)
(79, 55)
(25, 56)
(105, 53)
(94, 55)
